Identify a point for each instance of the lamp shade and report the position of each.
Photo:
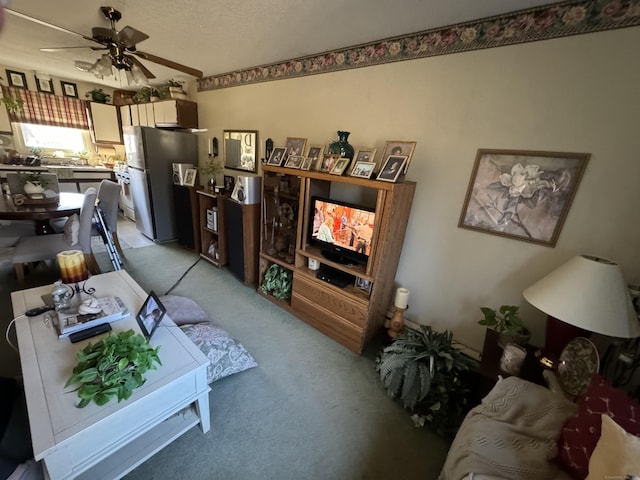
(590, 293)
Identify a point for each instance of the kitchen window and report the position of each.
(54, 138)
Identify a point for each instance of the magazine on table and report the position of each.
(86, 315)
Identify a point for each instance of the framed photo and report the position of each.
(364, 154)
(328, 162)
(306, 163)
(16, 79)
(229, 183)
(340, 166)
(363, 284)
(393, 167)
(524, 195)
(277, 156)
(399, 147)
(315, 154)
(294, 161)
(150, 314)
(295, 146)
(190, 177)
(69, 89)
(44, 85)
(363, 169)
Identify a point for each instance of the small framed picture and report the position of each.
(69, 89)
(190, 177)
(294, 161)
(399, 147)
(363, 169)
(17, 79)
(44, 85)
(229, 183)
(295, 146)
(328, 162)
(363, 284)
(392, 168)
(150, 314)
(277, 156)
(340, 166)
(306, 163)
(315, 154)
(364, 154)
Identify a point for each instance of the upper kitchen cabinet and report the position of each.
(176, 113)
(104, 123)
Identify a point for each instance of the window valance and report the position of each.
(47, 109)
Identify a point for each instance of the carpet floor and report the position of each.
(310, 410)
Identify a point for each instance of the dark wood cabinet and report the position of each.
(213, 239)
(243, 240)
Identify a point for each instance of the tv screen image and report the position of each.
(342, 230)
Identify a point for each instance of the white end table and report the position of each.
(111, 440)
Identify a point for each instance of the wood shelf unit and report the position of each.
(206, 201)
(351, 316)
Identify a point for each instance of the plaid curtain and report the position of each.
(47, 109)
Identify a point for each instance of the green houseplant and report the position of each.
(507, 324)
(211, 168)
(98, 95)
(424, 370)
(112, 367)
(12, 104)
(277, 282)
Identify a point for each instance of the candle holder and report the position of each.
(396, 324)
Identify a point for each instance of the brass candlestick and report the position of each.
(396, 324)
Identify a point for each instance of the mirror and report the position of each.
(241, 150)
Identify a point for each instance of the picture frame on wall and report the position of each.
(277, 156)
(16, 79)
(69, 89)
(44, 85)
(399, 147)
(520, 194)
(392, 168)
(363, 169)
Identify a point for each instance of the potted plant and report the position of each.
(173, 89)
(12, 104)
(98, 95)
(112, 367)
(507, 324)
(424, 370)
(211, 168)
(277, 282)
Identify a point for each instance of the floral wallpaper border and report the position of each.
(541, 23)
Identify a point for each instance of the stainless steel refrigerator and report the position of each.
(151, 152)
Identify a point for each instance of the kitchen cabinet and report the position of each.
(104, 123)
(176, 113)
(5, 124)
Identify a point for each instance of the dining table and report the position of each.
(40, 213)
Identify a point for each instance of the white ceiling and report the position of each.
(218, 36)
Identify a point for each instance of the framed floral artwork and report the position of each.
(45, 85)
(524, 195)
(69, 89)
(17, 79)
(399, 147)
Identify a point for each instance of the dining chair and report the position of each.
(108, 201)
(45, 247)
(11, 231)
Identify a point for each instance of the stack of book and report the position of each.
(70, 319)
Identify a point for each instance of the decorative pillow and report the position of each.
(580, 434)
(617, 453)
(227, 355)
(71, 229)
(183, 310)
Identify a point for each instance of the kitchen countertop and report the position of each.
(44, 168)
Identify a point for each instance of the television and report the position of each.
(342, 231)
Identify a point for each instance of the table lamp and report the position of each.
(401, 303)
(585, 295)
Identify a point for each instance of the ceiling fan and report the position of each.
(120, 47)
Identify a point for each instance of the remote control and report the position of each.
(89, 332)
(38, 310)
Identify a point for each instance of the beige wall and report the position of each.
(576, 94)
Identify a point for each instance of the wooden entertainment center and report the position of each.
(351, 315)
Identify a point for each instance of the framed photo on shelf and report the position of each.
(392, 168)
(294, 161)
(545, 183)
(315, 154)
(44, 85)
(306, 163)
(16, 79)
(399, 147)
(328, 162)
(340, 166)
(363, 169)
(190, 177)
(364, 154)
(295, 146)
(363, 284)
(229, 183)
(69, 89)
(150, 314)
(277, 156)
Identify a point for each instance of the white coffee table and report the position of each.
(109, 441)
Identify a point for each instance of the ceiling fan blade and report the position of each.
(59, 49)
(129, 37)
(145, 70)
(83, 66)
(47, 24)
(169, 63)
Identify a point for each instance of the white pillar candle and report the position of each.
(210, 142)
(402, 298)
